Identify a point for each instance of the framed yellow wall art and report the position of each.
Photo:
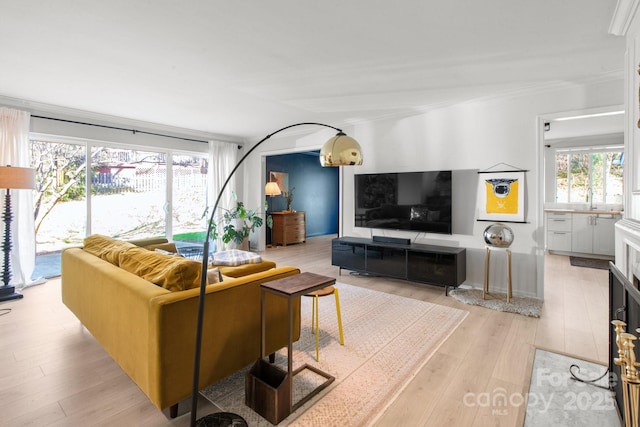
(501, 196)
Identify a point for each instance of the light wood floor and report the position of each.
(53, 373)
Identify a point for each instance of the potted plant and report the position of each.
(238, 223)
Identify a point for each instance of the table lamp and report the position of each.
(272, 189)
(15, 178)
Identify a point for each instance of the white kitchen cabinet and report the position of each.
(559, 231)
(582, 233)
(604, 235)
(593, 233)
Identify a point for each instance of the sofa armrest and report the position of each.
(231, 332)
(114, 307)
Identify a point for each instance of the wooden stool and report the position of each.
(314, 313)
(487, 267)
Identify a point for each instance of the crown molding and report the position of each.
(622, 17)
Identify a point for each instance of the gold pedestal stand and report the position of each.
(487, 268)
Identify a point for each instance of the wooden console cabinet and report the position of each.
(288, 227)
(435, 265)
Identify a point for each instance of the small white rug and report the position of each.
(388, 338)
(521, 305)
(555, 399)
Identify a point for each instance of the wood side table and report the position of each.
(291, 288)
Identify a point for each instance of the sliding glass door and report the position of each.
(128, 193)
(60, 201)
(189, 198)
(133, 193)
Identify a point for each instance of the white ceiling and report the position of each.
(246, 68)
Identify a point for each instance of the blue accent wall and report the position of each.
(316, 191)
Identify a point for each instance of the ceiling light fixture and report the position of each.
(589, 116)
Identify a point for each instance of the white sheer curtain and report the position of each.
(223, 157)
(14, 151)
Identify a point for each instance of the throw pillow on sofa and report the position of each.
(105, 247)
(235, 257)
(214, 275)
(171, 272)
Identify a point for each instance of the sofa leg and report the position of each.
(173, 411)
(272, 358)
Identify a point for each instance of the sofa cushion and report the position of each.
(235, 257)
(247, 269)
(171, 272)
(105, 247)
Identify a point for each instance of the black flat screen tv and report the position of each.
(415, 201)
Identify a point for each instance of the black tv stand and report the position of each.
(434, 265)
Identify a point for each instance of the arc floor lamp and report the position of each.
(340, 150)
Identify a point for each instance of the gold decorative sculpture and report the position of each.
(629, 371)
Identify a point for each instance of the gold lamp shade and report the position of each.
(272, 189)
(341, 150)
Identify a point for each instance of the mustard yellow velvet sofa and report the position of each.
(150, 331)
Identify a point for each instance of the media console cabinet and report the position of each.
(434, 265)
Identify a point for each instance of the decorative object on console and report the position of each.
(498, 235)
(289, 196)
(17, 178)
(501, 195)
(339, 150)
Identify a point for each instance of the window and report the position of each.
(589, 175)
(189, 173)
(118, 191)
(60, 202)
(128, 192)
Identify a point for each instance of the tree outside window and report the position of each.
(584, 176)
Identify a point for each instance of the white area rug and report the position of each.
(387, 340)
(521, 305)
(555, 399)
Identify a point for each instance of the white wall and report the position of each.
(470, 136)
(632, 119)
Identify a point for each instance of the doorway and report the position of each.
(313, 190)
